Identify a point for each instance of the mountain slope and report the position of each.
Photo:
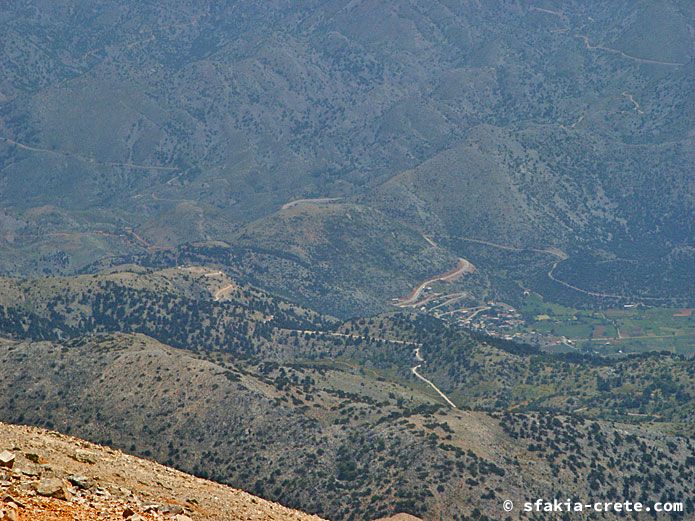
(323, 436)
(193, 307)
(108, 484)
(358, 257)
(345, 420)
(537, 125)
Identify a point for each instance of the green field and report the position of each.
(634, 329)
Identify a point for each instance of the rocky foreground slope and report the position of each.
(47, 476)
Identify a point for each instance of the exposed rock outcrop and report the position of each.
(48, 476)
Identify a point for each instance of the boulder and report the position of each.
(102, 492)
(6, 459)
(85, 456)
(9, 512)
(30, 471)
(82, 482)
(150, 507)
(9, 499)
(171, 509)
(53, 487)
(33, 457)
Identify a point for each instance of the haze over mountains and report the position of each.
(529, 125)
(225, 228)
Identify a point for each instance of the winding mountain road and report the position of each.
(414, 370)
(221, 292)
(86, 159)
(318, 200)
(552, 277)
(462, 267)
(555, 252)
(562, 256)
(623, 54)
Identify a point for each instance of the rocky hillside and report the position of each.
(336, 437)
(354, 251)
(196, 308)
(126, 127)
(200, 372)
(47, 476)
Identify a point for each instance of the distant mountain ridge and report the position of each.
(227, 230)
(553, 125)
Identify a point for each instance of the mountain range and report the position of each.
(339, 419)
(225, 228)
(533, 126)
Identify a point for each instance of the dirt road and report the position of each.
(220, 292)
(356, 337)
(551, 250)
(319, 200)
(450, 299)
(414, 370)
(429, 240)
(552, 277)
(634, 102)
(463, 267)
(622, 54)
(85, 158)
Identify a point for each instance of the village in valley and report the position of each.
(632, 327)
